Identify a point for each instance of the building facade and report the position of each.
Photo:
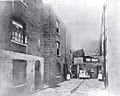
(56, 51)
(89, 63)
(32, 46)
(21, 46)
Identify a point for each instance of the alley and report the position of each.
(76, 87)
(90, 87)
(59, 47)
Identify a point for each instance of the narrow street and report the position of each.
(76, 87)
(90, 87)
(59, 47)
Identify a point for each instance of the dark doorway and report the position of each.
(37, 75)
(65, 70)
(74, 71)
(19, 72)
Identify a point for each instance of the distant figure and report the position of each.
(68, 76)
(100, 75)
(89, 73)
(80, 71)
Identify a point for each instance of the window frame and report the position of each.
(58, 27)
(58, 48)
(18, 33)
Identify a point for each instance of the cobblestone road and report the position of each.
(90, 87)
(76, 87)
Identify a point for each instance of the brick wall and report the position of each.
(50, 42)
(42, 37)
(31, 15)
(6, 62)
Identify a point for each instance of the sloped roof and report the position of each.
(78, 53)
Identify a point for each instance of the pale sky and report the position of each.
(82, 19)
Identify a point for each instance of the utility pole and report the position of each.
(104, 45)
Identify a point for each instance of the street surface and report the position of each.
(76, 87)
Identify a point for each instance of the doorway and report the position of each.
(65, 70)
(37, 75)
(19, 72)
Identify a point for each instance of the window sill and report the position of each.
(21, 85)
(19, 43)
(23, 3)
(58, 76)
(58, 55)
(58, 34)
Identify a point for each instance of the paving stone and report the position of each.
(76, 87)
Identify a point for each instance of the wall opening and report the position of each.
(19, 72)
(37, 75)
(58, 69)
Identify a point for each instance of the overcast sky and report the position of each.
(82, 19)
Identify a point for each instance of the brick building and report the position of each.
(33, 46)
(21, 44)
(57, 48)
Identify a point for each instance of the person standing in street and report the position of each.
(100, 75)
(68, 75)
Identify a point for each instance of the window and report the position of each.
(88, 59)
(18, 33)
(57, 27)
(19, 72)
(70, 54)
(58, 48)
(38, 42)
(95, 59)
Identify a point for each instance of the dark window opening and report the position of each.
(19, 72)
(58, 53)
(57, 27)
(58, 48)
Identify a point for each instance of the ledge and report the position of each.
(19, 43)
(21, 85)
(58, 76)
(58, 55)
(23, 3)
(58, 34)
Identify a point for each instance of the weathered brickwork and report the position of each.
(51, 37)
(31, 16)
(6, 59)
(40, 28)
